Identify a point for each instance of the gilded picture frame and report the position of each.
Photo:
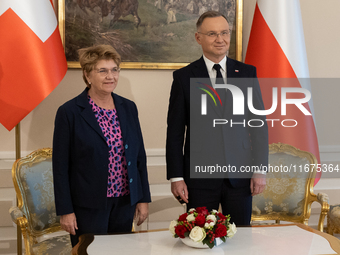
(148, 34)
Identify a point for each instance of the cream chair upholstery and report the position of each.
(36, 214)
(333, 220)
(289, 194)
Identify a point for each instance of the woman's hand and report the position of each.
(141, 213)
(68, 223)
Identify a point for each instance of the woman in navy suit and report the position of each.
(99, 161)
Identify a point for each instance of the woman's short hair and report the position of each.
(89, 57)
(209, 14)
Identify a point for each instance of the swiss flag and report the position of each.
(32, 59)
(277, 48)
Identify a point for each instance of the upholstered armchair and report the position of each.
(289, 191)
(333, 220)
(35, 214)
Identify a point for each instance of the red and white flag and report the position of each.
(32, 59)
(277, 48)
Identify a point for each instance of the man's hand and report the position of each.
(68, 222)
(141, 213)
(180, 191)
(257, 184)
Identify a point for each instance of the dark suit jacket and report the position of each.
(241, 146)
(80, 155)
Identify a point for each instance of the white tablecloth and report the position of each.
(287, 240)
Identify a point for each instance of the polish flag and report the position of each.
(277, 48)
(32, 59)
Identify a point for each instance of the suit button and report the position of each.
(131, 180)
(129, 163)
(126, 146)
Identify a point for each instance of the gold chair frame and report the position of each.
(21, 214)
(310, 197)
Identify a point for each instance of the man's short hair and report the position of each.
(209, 14)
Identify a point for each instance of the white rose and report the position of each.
(192, 210)
(197, 234)
(232, 230)
(211, 217)
(191, 217)
(172, 227)
(214, 211)
(209, 225)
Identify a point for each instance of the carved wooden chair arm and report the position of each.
(323, 199)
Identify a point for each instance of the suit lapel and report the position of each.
(121, 111)
(87, 113)
(200, 69)
(232, 72)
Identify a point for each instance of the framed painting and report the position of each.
(148, 34)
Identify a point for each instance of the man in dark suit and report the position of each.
(242, 145)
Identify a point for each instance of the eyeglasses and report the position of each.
(223, 34)
(105, 72)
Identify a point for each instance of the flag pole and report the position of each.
(17, 156)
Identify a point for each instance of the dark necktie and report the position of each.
(219, 80)
(219, 77)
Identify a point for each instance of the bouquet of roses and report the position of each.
(200, 225)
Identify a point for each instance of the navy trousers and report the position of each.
(116, 218)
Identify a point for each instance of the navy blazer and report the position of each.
(240, 146)
(80, 155)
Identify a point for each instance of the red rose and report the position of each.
(221, 216)
(203, 210)
(180, 230)
(221, 230)
(200, 220)
(183, 217)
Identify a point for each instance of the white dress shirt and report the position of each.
(212, 71)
